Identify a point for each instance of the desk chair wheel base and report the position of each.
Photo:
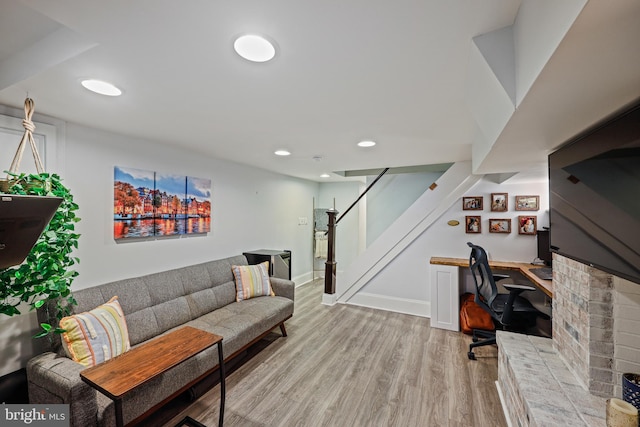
(471, 355)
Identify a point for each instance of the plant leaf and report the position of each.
(46, 273)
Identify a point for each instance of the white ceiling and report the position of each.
(391, 71)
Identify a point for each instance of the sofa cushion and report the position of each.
(202, 302)
(232, 321)
(196, 278)
(252, 281)
(225, 293)
(172, 313)
(219, 271)
(132, 295)
(164, 286)
(97, 335)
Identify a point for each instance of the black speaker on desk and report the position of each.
(279, 261)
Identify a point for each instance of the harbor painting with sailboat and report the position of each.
(152, 204)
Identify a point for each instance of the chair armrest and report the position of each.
(56, 379)
(514, 292)
(283, 287)
(521, 288)
(497, 277)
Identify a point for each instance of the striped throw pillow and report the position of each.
(97, 335)
(252, 281)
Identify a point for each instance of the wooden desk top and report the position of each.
(123, 373)
(545, 286)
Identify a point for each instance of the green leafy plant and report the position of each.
(46, 274)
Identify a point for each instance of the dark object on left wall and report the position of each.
(13, 387)
(22, 220)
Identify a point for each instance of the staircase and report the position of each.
(424, 212)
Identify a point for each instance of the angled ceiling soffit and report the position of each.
(57, 46)
(440, 167)
(505, 63)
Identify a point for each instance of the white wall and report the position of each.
(251, 209)
(539, 28)
(349, 233)
(391, 196)
(504, 65)
(498, 51)
(489, 103)
(407, 276)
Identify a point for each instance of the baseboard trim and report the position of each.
(329, 299)
(395, 304)
(303, 279)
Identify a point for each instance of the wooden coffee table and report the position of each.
(123, 374)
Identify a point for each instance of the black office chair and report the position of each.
(508, 311)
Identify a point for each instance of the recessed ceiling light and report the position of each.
(254, 48)
(282, 153)
(103, 88)
(325, 175)
(366, 143)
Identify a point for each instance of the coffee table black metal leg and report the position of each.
(222, 385)
(118, 405)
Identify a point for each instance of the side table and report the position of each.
(123, 374)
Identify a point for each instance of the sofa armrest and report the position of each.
(56, 379)
(283, 287)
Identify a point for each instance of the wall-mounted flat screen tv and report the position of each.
(594, 196)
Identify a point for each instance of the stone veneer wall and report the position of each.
(626, 330)
(596, 325)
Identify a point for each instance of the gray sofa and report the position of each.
(202, 296)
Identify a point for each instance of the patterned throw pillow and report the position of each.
(97, 335)
(252, 281)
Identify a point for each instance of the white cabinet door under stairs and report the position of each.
(445, 297)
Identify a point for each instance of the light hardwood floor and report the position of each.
(353, 366)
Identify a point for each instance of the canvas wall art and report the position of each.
(153, 204)
(198, 205)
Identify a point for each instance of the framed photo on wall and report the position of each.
(527, 203)
(472, 203)
(499, 202)
(500, 225)
(472, 224)
(133, 191)
(527, 224)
